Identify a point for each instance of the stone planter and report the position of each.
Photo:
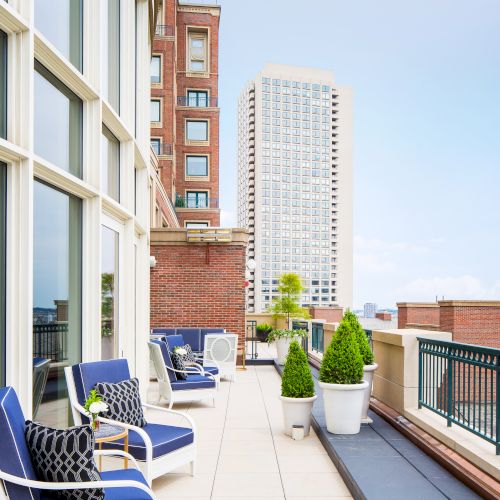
(297, 411)
(368, 370)
(282, 346)
(343, 406)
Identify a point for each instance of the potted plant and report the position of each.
(297, 390)
(341, 378)
(368, 361)
(283, 339)
(94, 406)
(263, 331)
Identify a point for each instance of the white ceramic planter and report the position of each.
(282, 346)
(368, 370)
(297, 411)
(343, 406)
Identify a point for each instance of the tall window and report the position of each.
(3, 266)
(110, 171)
(61, 22)
(197, 51)
(197, 98)
(156, 69)
(196, 130)
(196, 166)
(57, 285)
(155, 144)
(109, 293)
(111, 51)
(58, 122)
(155, 110)
(197, 199)
(3, 85)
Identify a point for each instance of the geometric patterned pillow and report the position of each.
(189, 358)
(64, 456)
(178, 364)
(123, 400)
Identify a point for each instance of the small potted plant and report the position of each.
(368, 361)
(263, 331)
(297, 390)
(94, 406)
(283, 339)
(341, 379)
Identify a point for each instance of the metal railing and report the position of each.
(51, 341)
(369, 337)
(162, 148)
(302, 325)
(192, 202)
(165, 30)
(318, 337)
(198, 101)
(461, 383)
(251, 337)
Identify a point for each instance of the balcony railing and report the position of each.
(192, 202)
(461, 382)
(318, 337)
(50, 341)
(197, 101)
(165, 30)
(162, 149)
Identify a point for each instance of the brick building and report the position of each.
(185, 115)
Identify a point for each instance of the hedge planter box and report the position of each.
(343, 406)
(297, 411)
(368, 371)
(282, 346)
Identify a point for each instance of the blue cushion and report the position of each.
(162, 331)
(193, 382)
(14, 454)
(192, 336)
(165, 438)
(125, 493)
(211, 369)
(174, 341)
(166, 359)
(87, 375)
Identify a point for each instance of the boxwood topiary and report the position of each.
(363, 344)
(297, 381)
(342, 362)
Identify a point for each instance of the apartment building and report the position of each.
(295, 183)
(185, 115)
(74, 192)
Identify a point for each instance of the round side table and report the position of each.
(107, 433)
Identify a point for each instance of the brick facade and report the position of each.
(418, 314)
(384, 316)
(329, 314)
(195, 284)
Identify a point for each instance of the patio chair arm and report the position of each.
(119, 453)
(211, 361)
(173, 412)
(187, 371)
(45, 485)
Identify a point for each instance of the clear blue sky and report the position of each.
(426, 83)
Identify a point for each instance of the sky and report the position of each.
(426, 82)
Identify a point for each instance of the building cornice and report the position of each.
(213, 10)
(417, 304)
(174, 236)
(469, 303)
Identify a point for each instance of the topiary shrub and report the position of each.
(342, 362)
(297, 380)
(362, 339)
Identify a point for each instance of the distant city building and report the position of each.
(370, 309)
(295, 183)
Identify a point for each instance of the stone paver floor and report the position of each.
(243, 452)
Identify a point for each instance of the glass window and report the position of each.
(61, 22)
(197, 51)
(155, 110)
(194, 225)
(58, 122)
(196, 130)
(155, 144)
(156, 69)
(110, 47)
(3, 266)
(110, 168)
(57, 285)
(197, 199)
(197, 98)
(3, 85)
(197, 166)
(109, 293)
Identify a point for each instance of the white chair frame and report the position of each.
(151, 468)
(226, 367)
(44, 485)
(165, 389)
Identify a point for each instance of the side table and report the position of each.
(107, 433)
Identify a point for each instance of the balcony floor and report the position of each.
(243, 452)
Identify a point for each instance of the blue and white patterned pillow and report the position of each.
(123, 400)
(64, 456)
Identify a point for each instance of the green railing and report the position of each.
(302, 325)
(318, 337)
(369, 337)
(461, 382)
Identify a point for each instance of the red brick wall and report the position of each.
(385, 316)
(329, 314)
(188, 291)
(421, 314)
